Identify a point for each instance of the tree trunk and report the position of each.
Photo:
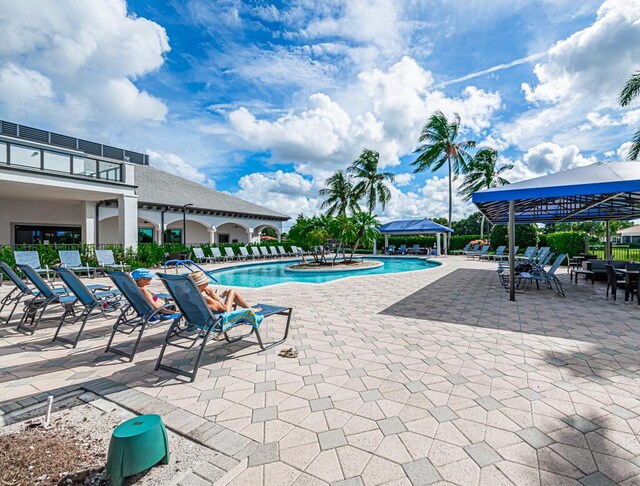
(450, 205)
(482, 228)
(353, 250)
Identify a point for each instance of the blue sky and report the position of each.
(265, 99)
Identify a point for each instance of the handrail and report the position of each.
(188, 265)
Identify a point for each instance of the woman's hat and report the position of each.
(142, 273)
(199, 278)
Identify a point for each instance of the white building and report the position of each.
(59, 189)
(629, 235)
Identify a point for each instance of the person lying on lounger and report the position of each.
(143, 277)
(218, 303)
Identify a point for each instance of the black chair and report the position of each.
(613, 281)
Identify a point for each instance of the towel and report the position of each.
(240, 316)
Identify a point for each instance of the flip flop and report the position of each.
(219, 337)
(288, 353)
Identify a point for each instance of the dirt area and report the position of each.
(337, 266)
(73, 449)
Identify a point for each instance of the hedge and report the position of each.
(458, 242)
(526, 235)
(569, 242)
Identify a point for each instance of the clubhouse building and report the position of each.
(59, 189)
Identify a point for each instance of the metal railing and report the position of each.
(618, 252)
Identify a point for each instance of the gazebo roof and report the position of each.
(413, 227)
(597, 192)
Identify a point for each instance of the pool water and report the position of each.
(265, 274)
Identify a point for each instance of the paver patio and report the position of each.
(430, 377)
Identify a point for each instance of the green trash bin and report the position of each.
(136, 445)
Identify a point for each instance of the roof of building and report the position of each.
(162, 188)
(631, 230)
(414, 227)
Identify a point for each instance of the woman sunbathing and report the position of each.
(225, 302)
(143, 277)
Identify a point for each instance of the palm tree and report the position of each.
(439, 144)
(629, 92)
(483, 172)
(366, 225)
(339, 195)
(371, 183)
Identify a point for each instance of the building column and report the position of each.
(386, 242)
(375, 246)
(438, 247)
(212, 235)
(128, 221)
(89, 225)
(279, 236)
(249, 236)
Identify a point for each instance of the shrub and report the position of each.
(569, 242)
(526, 235)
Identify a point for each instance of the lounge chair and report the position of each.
(200, 257)
(473, 250)
(71, 259)
(402, 250)
(31, 258)
(244, 254)
(499, 252)
(82, 305)
(255, 253)
(265, 252)
(274, 252)
(136, 315)
(216, 254)
(415, 250)
(465, 249)
(106, 260)
(480, 254)
(547, 276)
(528, 254)
(229, 254)
(391, 249)
(199, 322)
(283, 252)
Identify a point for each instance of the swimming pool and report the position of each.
(265, 274)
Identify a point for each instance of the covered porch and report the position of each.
(413, 227)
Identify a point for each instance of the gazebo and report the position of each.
(412, 227)
(597, 192)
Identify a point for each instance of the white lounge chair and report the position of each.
(255, 253)
(244, 254)
(274, 252)
(106, 260)
(32, 258)
(283, 252)
(216, 254)
(229, 254)
(71, 259)
(201, 257)
(265, 252)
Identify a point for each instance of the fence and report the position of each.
(618, 252)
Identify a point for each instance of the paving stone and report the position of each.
(599, 380)
(228, 442)
(529, 394)
(345, 356)
(534, 437)
(194, 480)
(264, 414)
(370, 395)
(421, 472)
(556, 362)
(597, 479)
(621, 412)
(209, 471)
(357, 481)
(380, 352)
(391, 426)
(580, 423)
(489, 403)
(443, 414)
(456, 379)
(415, 386)
(319, 404)
(265, 366)
(432, 361)
(493, 373)
(396, 367)
(482, 453)
(307, 361)
(496, 352)
(313, 379)
(264, 454)
(219, 372)
(265, 386)
(207, 395)
(527, 368)
(356, 373)
(566, 386)
(332, 439)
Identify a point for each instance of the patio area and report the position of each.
(430, 377)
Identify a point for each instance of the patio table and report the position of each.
(629, 277)
(587, 274)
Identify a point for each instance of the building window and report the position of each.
(223, 238)
(34, 234)
(25, 156)
(85, 167)
(145, 235)
(173, 236)
(56, 161)
(3, 153)
(109, 171)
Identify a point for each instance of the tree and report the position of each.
(343, 229)
(370, 183)
(629, 92)
(526, 235)
(439, 144)
(339, 195)
(469, 225)
(483, 172)
(366, 225)
(442, 221)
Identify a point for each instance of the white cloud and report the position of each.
(83, 57)
(548, 157)
(175, 164)
(404, 179)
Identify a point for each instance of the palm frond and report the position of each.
(635, 146)
(630, 90)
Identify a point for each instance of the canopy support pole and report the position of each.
(375, 246)
(512, 257)
(386, 242)
(438, 247)
(607, 251)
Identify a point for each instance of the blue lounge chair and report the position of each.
(32, 258)
(402, 250)
(137, 315)
(473, 250)
(391, 249)
(71, 259)
(82, 305)
(479, 254)
(499, 252)
(106, 260)
(547, 276)
(464, 250)
(528, 254)
(199, 322)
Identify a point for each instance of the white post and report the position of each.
(512, 257)
(607, 252)
(279, 236)
(249, 235)
(386, 242)
(375, 246)
(212, 235)
(128, 221)
(159, 232)
(438, 248)
(90, 222)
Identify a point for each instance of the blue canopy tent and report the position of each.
(412, 227)
(597, 192)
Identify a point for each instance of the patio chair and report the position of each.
(199, 322)
(547, 276)
(82, 305)
(528, 254)
(474, 249)
(480, 254)
(31, 258)
(415, 249)
(498, 254)
(71, 259)
(614, 281)
(244, 254)
(283, 252)
(255, 253)
(229, 254)
(274, 252)
(465, 249)
(402, 250)
(106, 260)
(137, 315)
(216, 254)
(265, 252)
(391, 249)
(200, 257)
